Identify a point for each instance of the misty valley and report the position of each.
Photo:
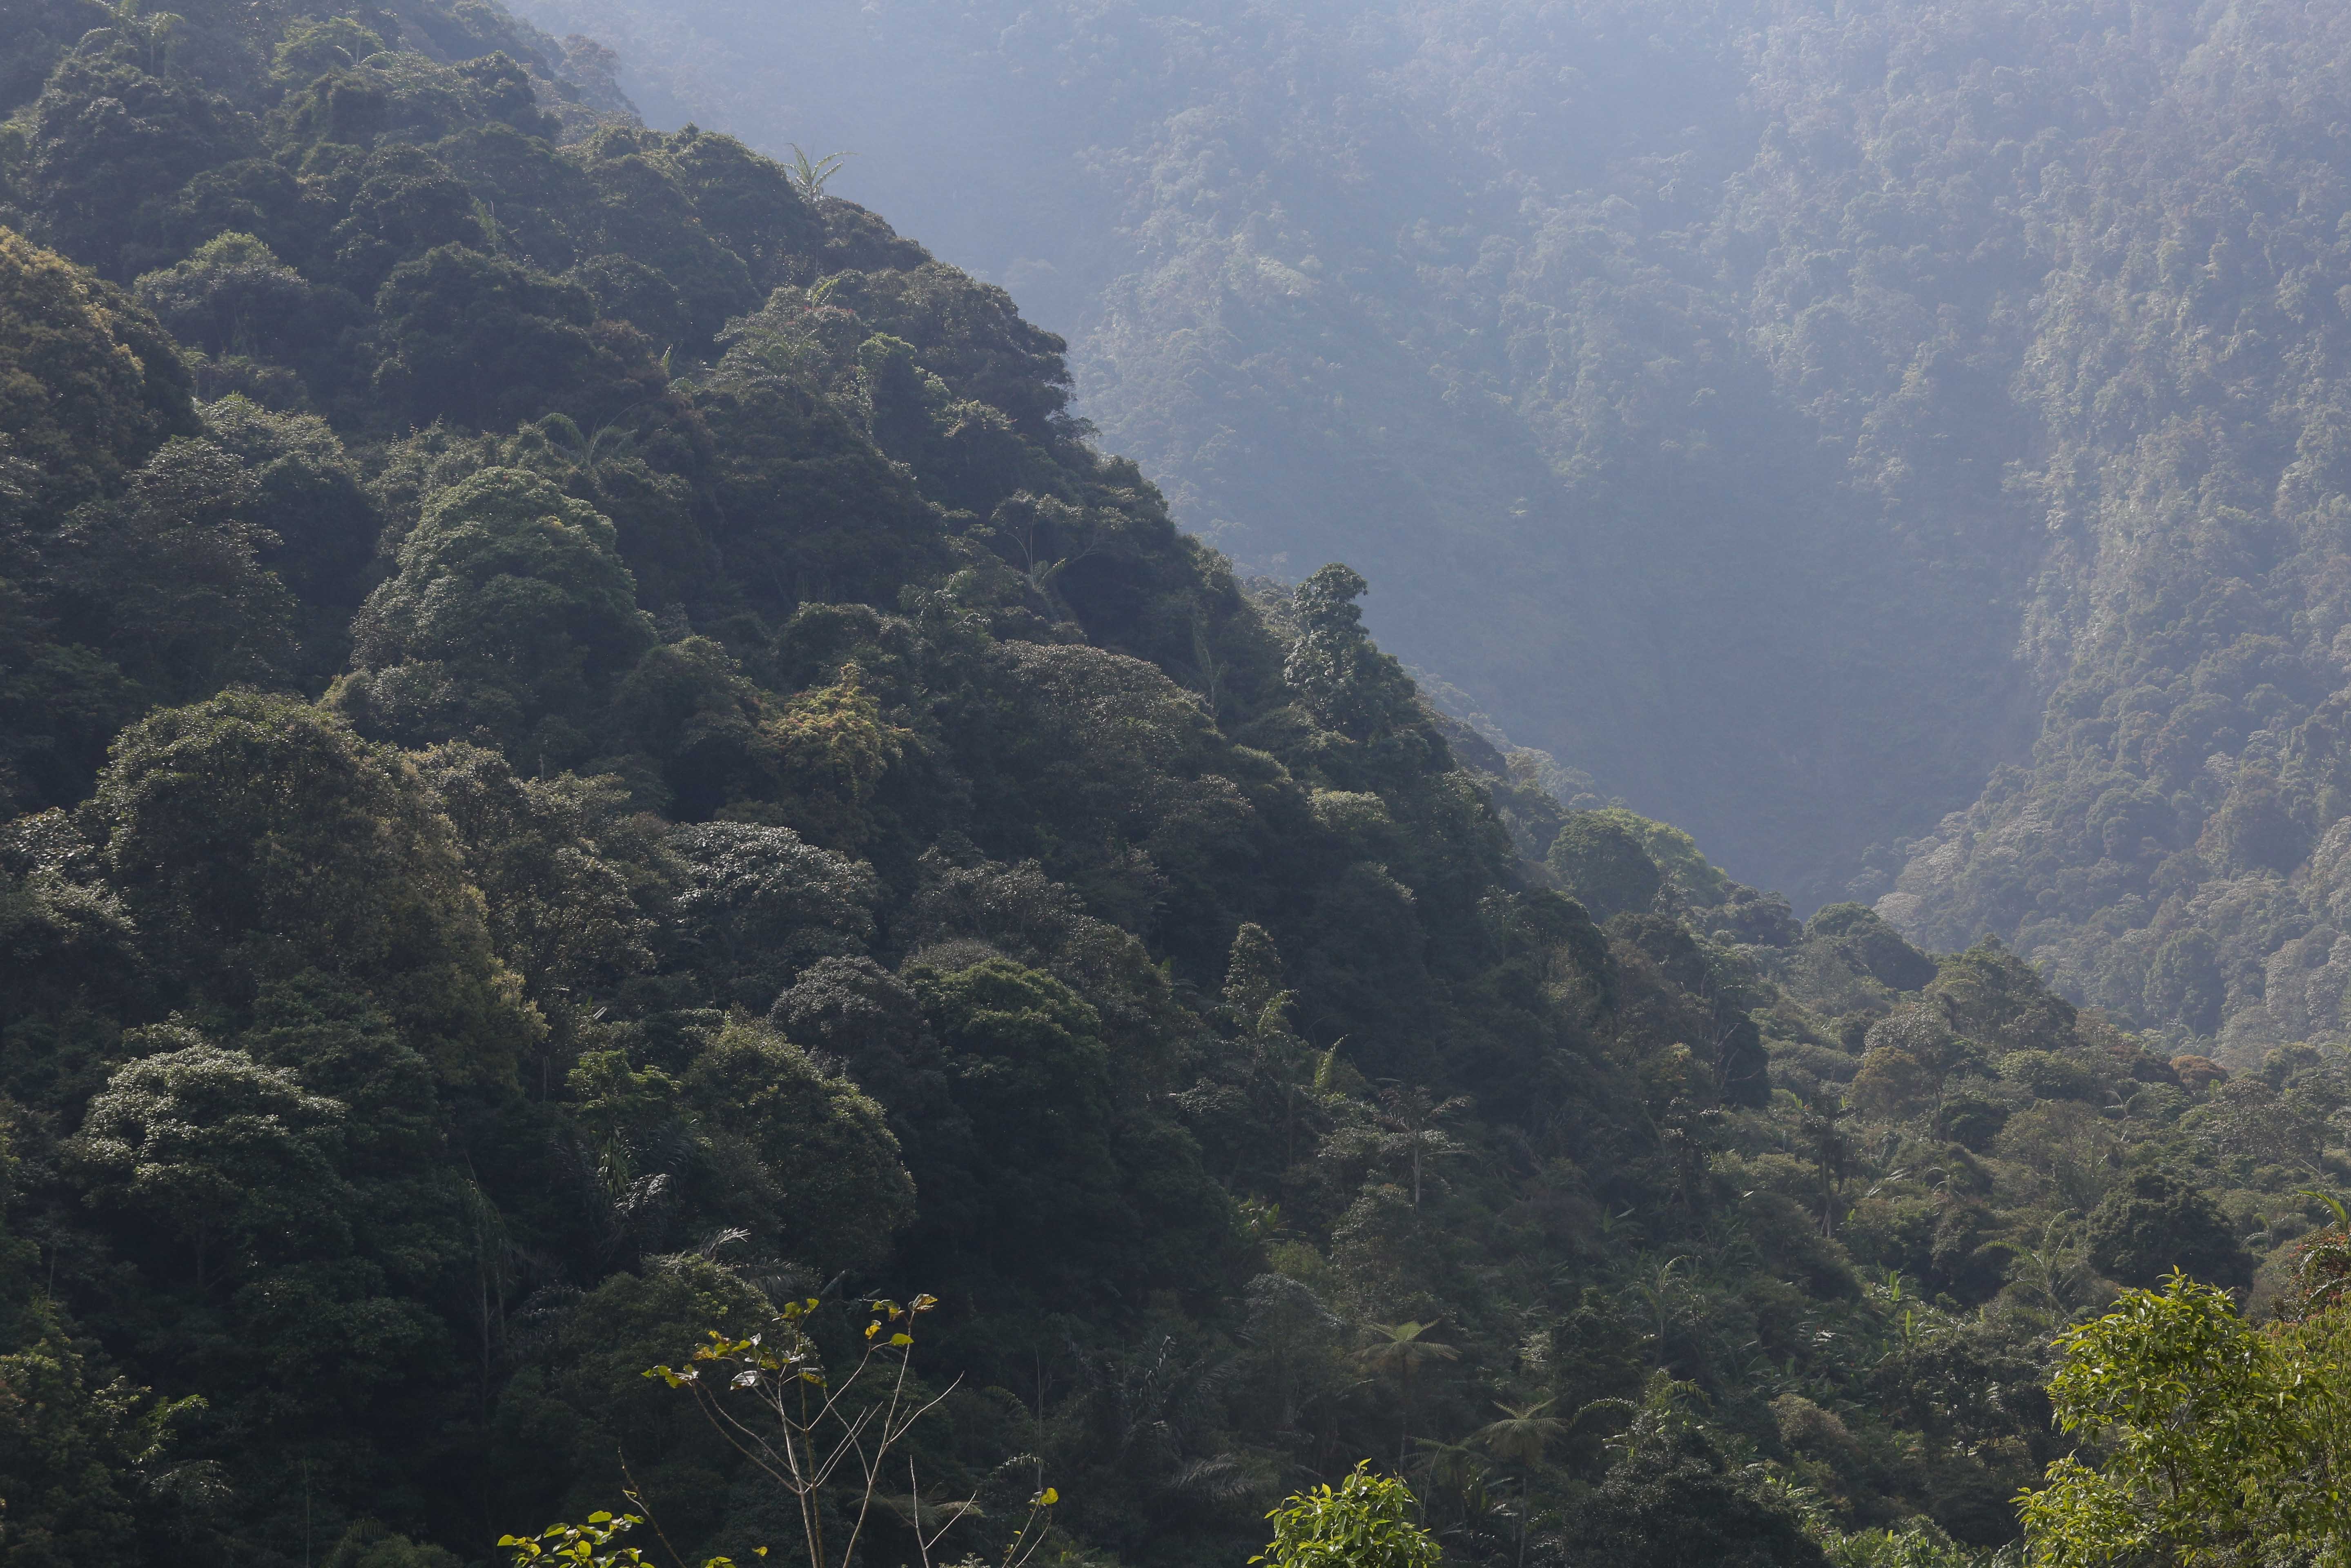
(1547, 785)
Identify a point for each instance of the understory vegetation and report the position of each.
(594, 760)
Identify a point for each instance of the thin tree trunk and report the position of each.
(1403, 1429)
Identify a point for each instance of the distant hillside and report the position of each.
(1805, 425)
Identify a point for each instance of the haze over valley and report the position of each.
(1545, 785)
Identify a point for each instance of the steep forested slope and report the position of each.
(1780, 414)
(591, 750)
(1456, 290)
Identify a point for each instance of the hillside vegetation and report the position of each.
(593, 758)
(1804, 421)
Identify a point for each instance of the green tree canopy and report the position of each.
(511, 612)
(1366, 1523)
(1344, 681)
(168, 578)
(232, 296)
(824, 1175)
(2218, 1442)
(89, 384)
(485, 342)
(224, 1154)
(307, 848)
(1600, 860)
(2157, 1223)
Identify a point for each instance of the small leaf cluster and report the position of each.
(1369, 1521)
(594, 1543)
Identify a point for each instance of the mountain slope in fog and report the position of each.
(1807, 426)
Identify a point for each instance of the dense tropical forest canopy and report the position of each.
(611, 810)
(1899, 442)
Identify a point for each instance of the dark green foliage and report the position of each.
(231, 296)
(511, 613)
(807, 508)
(39, 31)
(1603, 865)
(1347, 683)
(763, 902)
(2157, 1223)
(334, 1041)
(370, 1545)
(110, 142)
(406, 204)
(93, 385)
(256, 196)
(167, 579)
(304, 847)
(320, 523)
(643, 213)
(59, 704)
(67, 942)
(969, 334)
(626, 291)
(564, 871)
(1050, 1188)
(1971, 1120)
(73, 1447)
(217, 1155)
(73, 1439)
(1673, 1502)
(1869, 943)
(813, 1159)
(583, 1401)
(484, 340)
(747, 203)
(646, 768)
(153, 587)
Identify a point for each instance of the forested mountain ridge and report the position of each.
(1805, 422)
(592, 752)
(1440, 288)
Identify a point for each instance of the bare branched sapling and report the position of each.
(770, 1397)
